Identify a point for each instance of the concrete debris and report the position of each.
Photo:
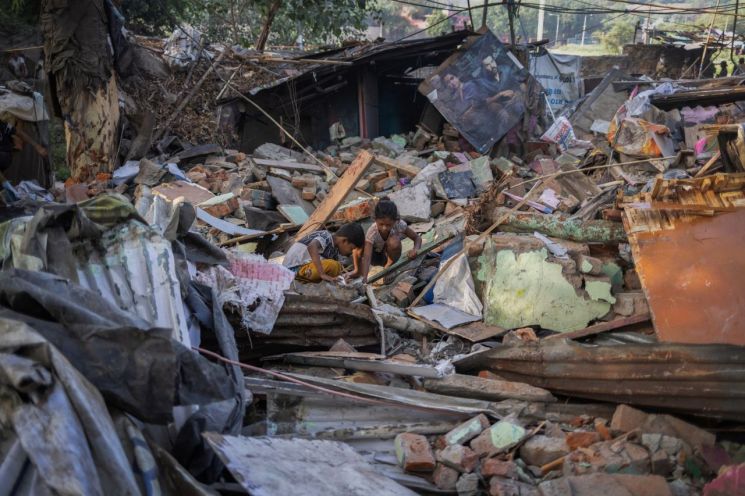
(515, 291)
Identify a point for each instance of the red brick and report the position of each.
(356, 211)
(603, 430)
(495, 467)
(445, 477)
(414, 453)
(459, 457)
(223, 209)
(309, 193)
(580, 439)
(507, 487)
(75, 193)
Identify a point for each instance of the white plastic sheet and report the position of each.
(455, 288)
(253, 286)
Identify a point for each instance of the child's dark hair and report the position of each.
(354, 234)
(386, 209)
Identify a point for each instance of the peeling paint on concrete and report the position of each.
(527, 289)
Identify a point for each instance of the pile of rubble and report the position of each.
(150, 323)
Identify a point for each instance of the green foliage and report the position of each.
(317, 21)
(156, 17)
(437, 23)
(618, 32)
(23, 11)
(395, 18)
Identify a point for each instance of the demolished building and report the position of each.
(564, 319)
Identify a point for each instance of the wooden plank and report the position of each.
(287, 165)
(602, 327)
(708, 164)
(405, 260)
(406, 169)
(338, 193)
(468, 386)
(477, 331)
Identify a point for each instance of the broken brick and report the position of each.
(468, 430)
(414, 453)
(355, 211)
(467, 485)
(222, 208)
(459, 457)
(492, 467)
(499, 486)
(502, 435)
(445, 477)
(590, 265)
(384, 184)
(626, 419)
(309, 193)
(540, 450)
(581, 439)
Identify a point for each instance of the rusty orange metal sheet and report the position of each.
(693, 274)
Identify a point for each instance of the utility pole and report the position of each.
(541, 15)
(734, 33)
(584, 28)
(708, 37)
(511, 18)
(558, 21)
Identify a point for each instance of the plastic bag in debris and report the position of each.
(27, 108)
(639, 138)
(561, 132)
(640, 103)
(31, 190)
(455, 288)
(182, 47)
(252, 288)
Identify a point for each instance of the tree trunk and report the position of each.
(80, 64)
(266, 27)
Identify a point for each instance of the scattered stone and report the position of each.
(495, 467)
(459, 457)
(606, 485)
(445, 477)
(609, 456)
(540, 450)
(499, 486)
(467, 485)
(581, 439)
(626, 419)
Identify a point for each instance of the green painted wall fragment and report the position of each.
(526, 289)
(599, 290)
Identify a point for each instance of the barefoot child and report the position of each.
(383, 240)
(315, 257)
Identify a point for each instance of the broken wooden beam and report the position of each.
(601, 327)
(337, 195)
(406, 169)
(405, 260)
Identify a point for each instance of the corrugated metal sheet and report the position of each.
(707, 380)
(134, 266)
(688, 239)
